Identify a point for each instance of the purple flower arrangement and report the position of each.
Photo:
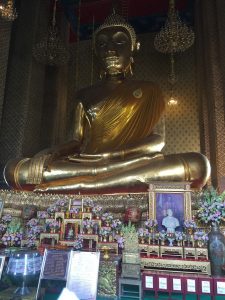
(32, 222)
(151, 223)
(74, 210)
(61, 203)
(212, 207)
(107, 217)
(52, 209)
(53, 224)
(116, 224)
(3, 227)
(7, 218)
(200, 236)
(78, 243)
(88, 223)
(12, 239)
(43, 215)
(120, 241)
(97, 210)
(143, 232)
(88, 202)
(190, 224)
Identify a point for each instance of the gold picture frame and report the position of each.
(170, 195)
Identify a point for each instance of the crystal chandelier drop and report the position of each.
(175, 36)
(7, 11)
(51, 50)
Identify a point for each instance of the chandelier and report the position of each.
(7, 11)
(51, 50)
(175, 36)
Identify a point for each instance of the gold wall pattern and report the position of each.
(182, 127)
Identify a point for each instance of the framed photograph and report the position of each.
(170, 201)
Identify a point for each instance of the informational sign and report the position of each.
(176, 284)
(2, 262)
(162, 283)
(220, 287)
(149, 282)
(54, 266)
(82, 275)
(191, 285)
(206, 287)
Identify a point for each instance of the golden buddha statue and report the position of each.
(113, 145)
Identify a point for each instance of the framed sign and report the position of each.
(82, 275)
(170, 199)
(54, 266)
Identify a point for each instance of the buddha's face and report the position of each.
(113, 48)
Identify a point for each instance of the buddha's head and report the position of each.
(114, 42)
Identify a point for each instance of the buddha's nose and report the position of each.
(111, 52)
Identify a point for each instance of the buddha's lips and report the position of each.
(112, 59)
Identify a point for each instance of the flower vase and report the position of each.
(104, 239)
(52, 230)
(216, 248)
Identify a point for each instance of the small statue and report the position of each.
(170, 222)
(70, 235)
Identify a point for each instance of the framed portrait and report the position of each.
(171, 200)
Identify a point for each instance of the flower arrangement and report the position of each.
(32, 222)
(87, 223)
(116, 224)
(61, 203)
(179, 236)
(201, 236)
(212, 207)
(74, 210)
(107, 218)
(43, 215)
(151, 223)
(190, 224)
(12, 239)
(53, 225)
(78, 243)
(52, 209)
(3, 227)
(104, 231)
(33, 234)
(120, 241)
(88, 202)
(143, 232)
(7, 218)
(97, 210)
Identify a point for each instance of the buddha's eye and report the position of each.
(102, 40)
(120, 38)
